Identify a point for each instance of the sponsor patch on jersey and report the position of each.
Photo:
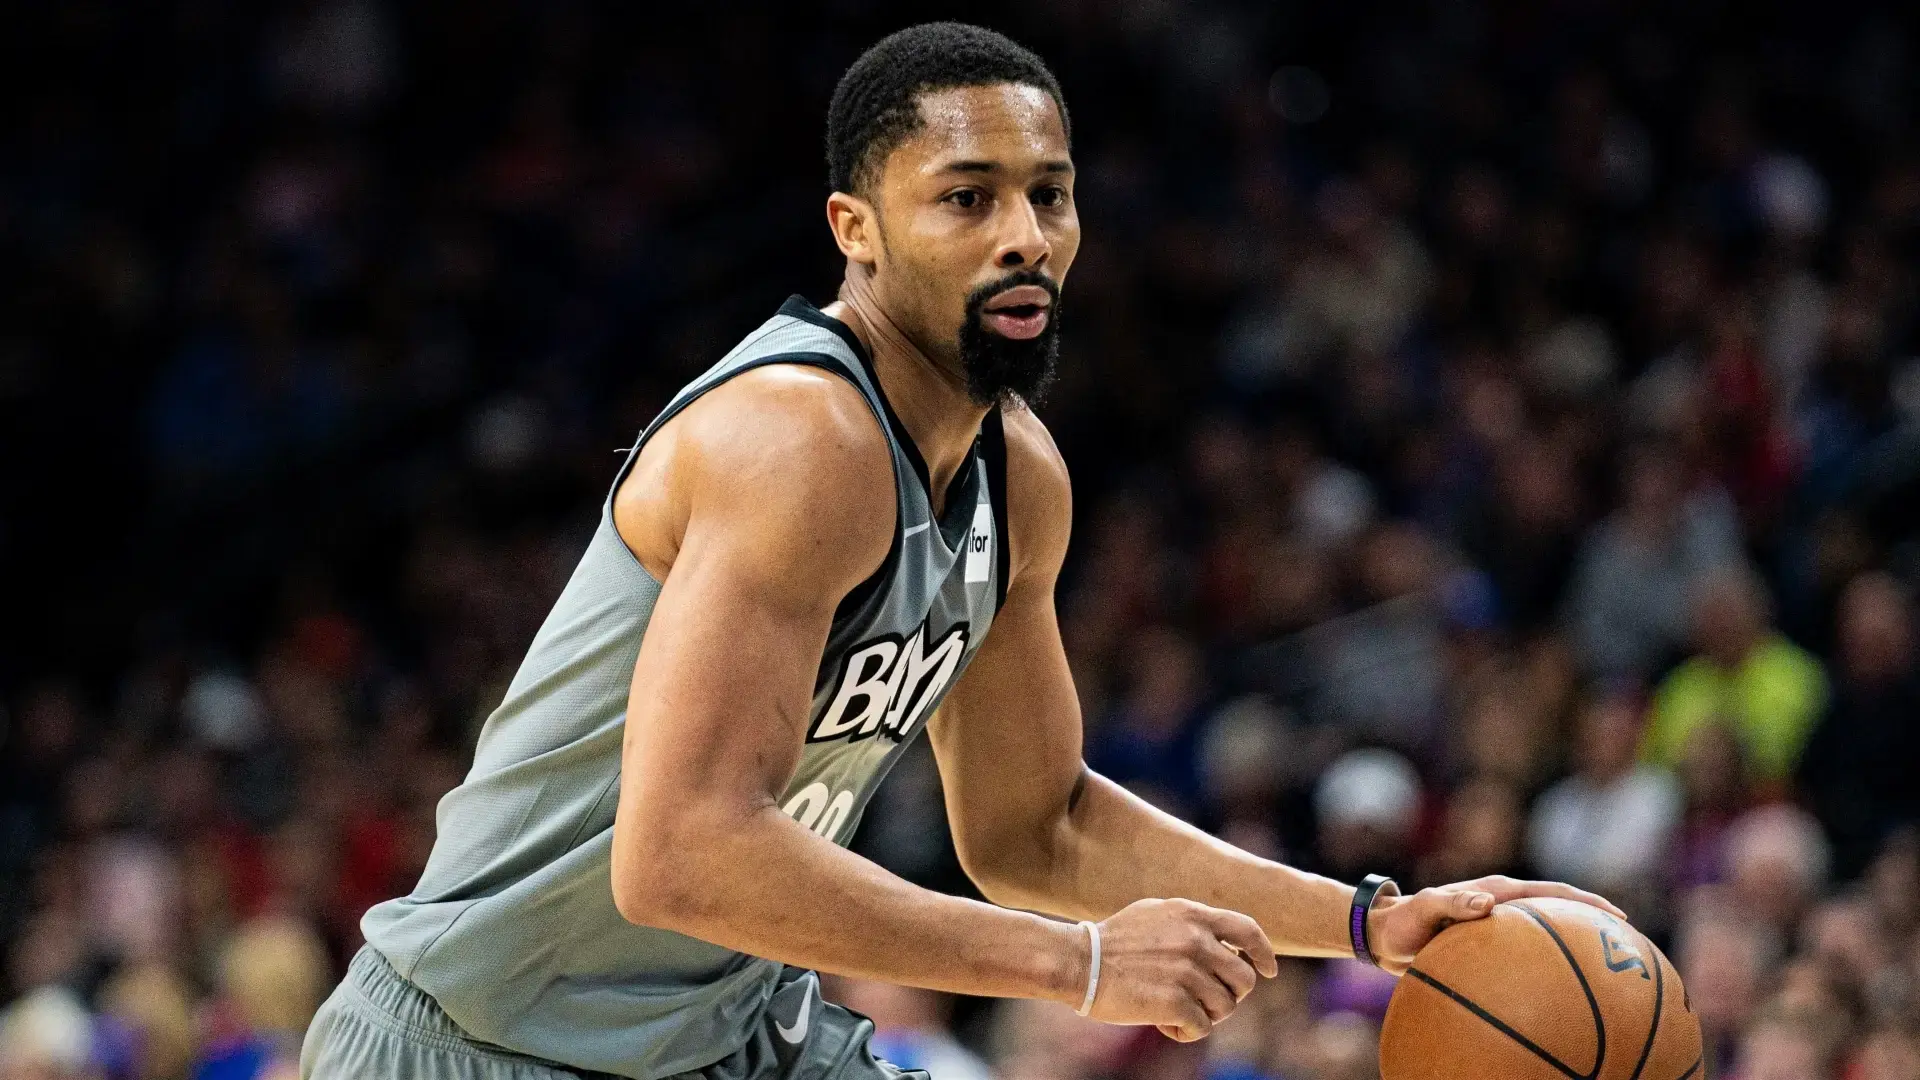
(887, 684)
(980, 543)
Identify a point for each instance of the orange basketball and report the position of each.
(1541, 990)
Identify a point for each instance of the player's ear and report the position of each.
(855, 224)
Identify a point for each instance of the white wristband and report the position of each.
(1093, 968)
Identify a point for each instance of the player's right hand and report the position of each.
(1178, 965)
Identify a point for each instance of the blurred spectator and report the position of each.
(1892, 884)
(1344, 1047)
(1713, 778)
(1858, 771)
(1044, 1040)
(47, 1035)
(40, 745)
(1367, 804)
(1247, 762)
(1332, 504)
(1381, 667)
(1148, 742)
(1608, 827)
(1786, 1047)
(1725, 960)
(910, 1027)
(1351, 987)
(1525, 535)
(1841, 946)
(155, 1007)
(1506, 724)
(52, 948)
(1627, 603)
(1777, 864)
(1480, 834)
(1766, 689)
(1268, 1036)
(272, 980)
(1889, 1053)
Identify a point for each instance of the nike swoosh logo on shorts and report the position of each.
(797, 1034)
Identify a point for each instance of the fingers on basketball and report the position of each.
(1543, 989)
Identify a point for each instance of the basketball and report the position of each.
(1541, 989)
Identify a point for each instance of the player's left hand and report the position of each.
(1401, 925)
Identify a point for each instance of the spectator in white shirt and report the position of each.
(1609, 825)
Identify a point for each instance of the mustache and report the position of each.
(977, 299)
(1003, 370)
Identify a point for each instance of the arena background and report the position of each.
(1464, 400)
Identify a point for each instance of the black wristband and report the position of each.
(1371, 887)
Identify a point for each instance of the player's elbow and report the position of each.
(655, 879)
(641, 897)
(643, 889)
(1006, 890)
(1007, 872)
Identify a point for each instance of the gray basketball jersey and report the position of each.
(512, 927)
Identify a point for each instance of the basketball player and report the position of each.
(848, 530)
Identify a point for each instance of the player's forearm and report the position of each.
(1114, 848)
(764, 885)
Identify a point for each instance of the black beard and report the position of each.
(1001, 370)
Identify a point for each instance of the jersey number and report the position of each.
(820, 810)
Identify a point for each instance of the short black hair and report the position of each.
(876, 106)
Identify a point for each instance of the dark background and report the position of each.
(1427, 367)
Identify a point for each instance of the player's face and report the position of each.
(977, 229)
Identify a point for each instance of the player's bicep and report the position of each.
(784, 514)
(721, 674)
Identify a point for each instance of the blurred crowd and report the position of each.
(1495, 426)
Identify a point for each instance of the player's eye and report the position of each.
(1051, 196)
(966, 198)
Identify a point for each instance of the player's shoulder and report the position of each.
(798, 426)
(1032, 452)
(783, 465)
(1039, 491)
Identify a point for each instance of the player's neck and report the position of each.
(931, 400)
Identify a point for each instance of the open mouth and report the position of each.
(1020, 321)
(1019, 313)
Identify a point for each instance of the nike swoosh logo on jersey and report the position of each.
(920, 528)
(797, 1034)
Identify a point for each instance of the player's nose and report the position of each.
(1022, 242)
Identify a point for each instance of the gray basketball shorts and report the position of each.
(378, 1026)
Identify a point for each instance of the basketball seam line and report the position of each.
(1694, 1068)
(1659, 1003)
(1499, 1025)
(1593, 1003)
